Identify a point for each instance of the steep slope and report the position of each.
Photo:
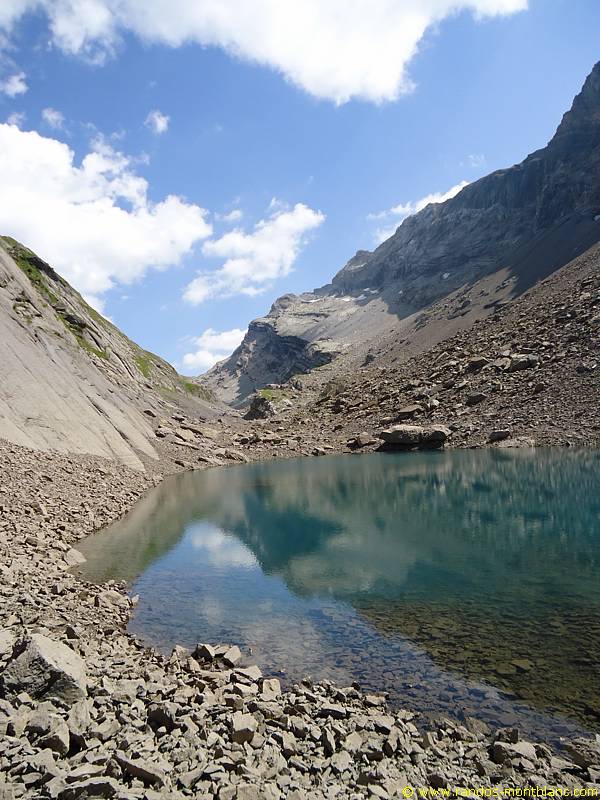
(71, 381)
(518, 224)
(527, 374)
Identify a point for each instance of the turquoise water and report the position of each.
(460, 583)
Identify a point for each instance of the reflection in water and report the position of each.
(401, 571)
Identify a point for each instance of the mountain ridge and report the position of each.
(529, 219)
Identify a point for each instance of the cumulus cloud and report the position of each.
(333, 49)
(93, 221)
(392, 217)
(210, 347)
(55, 119)
(14, 85)
(254, 260)
(157, 122)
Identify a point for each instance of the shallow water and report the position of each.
(461, 583)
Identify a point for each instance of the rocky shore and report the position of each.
(87, 711)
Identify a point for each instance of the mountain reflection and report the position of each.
(481, 557)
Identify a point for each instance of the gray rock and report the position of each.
(233, 656)
(45, 668)
(146, 771)
(585, 752)
(243, 727)
(415, 436)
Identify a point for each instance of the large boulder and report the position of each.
(415, 436)
(260, 408)
(45, 669)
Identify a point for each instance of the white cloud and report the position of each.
(157, 122)
(395, 215)
(17, 118)
(333, 49)
(254, 260)
(211, 346)
(92, 221)
(475, 160)
(14, 85)
(55, 119)
(233, 216)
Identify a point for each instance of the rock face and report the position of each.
(71, 381)
(527, 220)
(46, 669)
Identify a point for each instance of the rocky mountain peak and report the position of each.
(521, 224)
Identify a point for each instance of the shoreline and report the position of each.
(243, 736)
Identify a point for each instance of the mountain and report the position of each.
(481, 249)
(71, 381)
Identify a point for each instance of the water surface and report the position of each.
(461, 583)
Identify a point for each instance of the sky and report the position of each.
(185, 164)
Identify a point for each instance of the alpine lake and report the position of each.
(462, 583)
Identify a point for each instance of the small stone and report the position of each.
(233, 656)
(146, 771)
(271, 689)
(243, 727)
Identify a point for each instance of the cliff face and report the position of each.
(525, 222)
(71, 381)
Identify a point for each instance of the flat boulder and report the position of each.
(415, 436)
(45, 669)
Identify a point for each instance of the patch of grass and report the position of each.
(28, 262)
(195, 389)
(81, 340)
(144, 363)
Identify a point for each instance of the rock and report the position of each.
(243, 727)
(109, 598)
(58, 738)
(585, 752)
(333, 710)
(408, 436)
(98, 786)
(503, 751)
(476, 363)
(362, 440)
(232, 656)
(475, 398)
(498, 435)
(73, 557)
(408, 411)
(7, 643)
(204, 652)
(519, 362)
(517, 442)
(45, 668)
(260, 408)
(271, 689)
(146, 771)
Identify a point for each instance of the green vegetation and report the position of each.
(77, 332)
(197, 390)
(144, 363)
(28, 262)
(269, 394)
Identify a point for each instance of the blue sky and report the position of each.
(196, 130)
